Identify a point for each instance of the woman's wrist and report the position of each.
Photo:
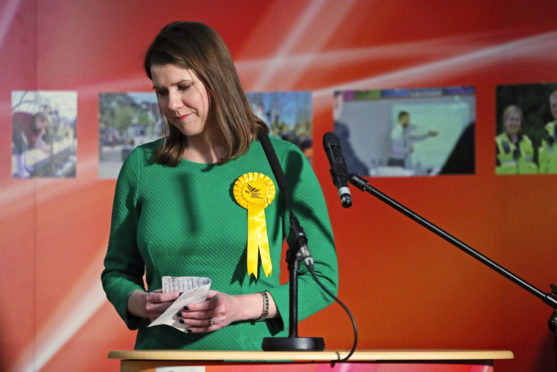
(136, 303)
(265, 308)
(253, 306)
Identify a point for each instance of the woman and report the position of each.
(515, 153)
(28, 133)
(175, 211)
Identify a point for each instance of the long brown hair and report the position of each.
(198, 47)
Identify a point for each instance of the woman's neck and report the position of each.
(513, 137)
(203, 150)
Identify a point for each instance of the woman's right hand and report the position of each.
(150, 305)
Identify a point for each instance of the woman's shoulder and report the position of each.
(146, 152)
(282, 146)
(140, 157)
(526, 139)
(290, 156)
(501, 136)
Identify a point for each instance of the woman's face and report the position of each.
(553, 106)
(40, 124)
(512, 123)
(182, 98)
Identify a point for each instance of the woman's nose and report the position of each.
(174, 101)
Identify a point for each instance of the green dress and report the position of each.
(184, 221)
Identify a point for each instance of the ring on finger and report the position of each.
(211, 321)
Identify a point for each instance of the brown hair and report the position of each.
(42, 117)
(509, 110)
(198, 47)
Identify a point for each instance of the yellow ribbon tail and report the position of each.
(257, 238)
(253, 241)
(264, 249)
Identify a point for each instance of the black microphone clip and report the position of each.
(301, 242)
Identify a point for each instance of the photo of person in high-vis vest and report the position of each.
(548, 150)
(515, 152)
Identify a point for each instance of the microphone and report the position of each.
(297, 230)
(338, 170)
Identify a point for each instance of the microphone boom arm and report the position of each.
(363, 185)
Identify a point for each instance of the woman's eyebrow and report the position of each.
(174, 84)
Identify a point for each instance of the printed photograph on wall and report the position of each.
(407, 132)
(44, 140)
(288, 115)
(126, 120)
(526, 129)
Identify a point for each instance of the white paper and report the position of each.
(195, 289)
(182, 283)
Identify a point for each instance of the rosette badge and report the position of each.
(255, 191)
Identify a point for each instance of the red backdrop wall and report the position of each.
(406, 287)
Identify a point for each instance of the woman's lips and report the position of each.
(182, 117)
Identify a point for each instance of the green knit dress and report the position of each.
(184, 221)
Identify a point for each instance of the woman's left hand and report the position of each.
(218, 311)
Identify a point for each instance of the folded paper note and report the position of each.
(195, 289)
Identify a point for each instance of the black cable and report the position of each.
(345, 309)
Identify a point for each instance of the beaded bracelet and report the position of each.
(265, 312)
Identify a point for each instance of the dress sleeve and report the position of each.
(123, 265)
(310, 208)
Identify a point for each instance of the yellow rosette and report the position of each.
(255, 191)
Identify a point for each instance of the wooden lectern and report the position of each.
(283, 361)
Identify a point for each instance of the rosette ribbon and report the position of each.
(255, 191)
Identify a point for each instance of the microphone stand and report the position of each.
(549, 298)
(297, 251)
(293, 342)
